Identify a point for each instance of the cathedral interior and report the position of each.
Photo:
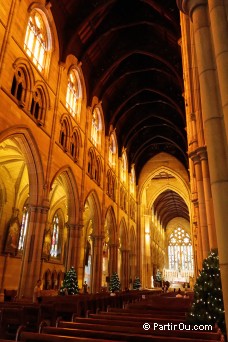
(113, 141)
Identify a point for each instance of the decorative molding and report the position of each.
(188, 6)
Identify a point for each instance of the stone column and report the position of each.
(201, 202)
(125, 268)
(208, 198)
(213, 127)
(31, 260)
(132, 263)
(219, 30)
(97, 263)
(113, 257)
(73, 257)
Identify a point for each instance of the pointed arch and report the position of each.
(26, 142)
(110, 224)
(22, 82)
(68, 181)
(123, 234)
(92, 205)
(65, 131)
(38, 39)
(132, 242)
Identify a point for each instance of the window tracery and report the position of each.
(112, 151)
(19, 85)
(36, 39)
(96, 127)
(38, 105)
(23, 231)
(124, 167)
(180, 250)
(55, 236)
(74, 93)
(64, 133)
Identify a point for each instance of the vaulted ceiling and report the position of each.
(131, 61)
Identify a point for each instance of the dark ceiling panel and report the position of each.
(131, 60)
(170, 205)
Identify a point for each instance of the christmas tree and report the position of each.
(207, 307)
(158, 276)
(70, 283)
(136, 284)
(114, 282)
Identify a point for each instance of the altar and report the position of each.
(176, 276)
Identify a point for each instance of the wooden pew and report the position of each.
(163, 303)
(119, 336)
(145, 313)
(35, 337)
(11, 319)
(213, 336)
(113, 322)
(135, 318)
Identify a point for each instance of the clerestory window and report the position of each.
(74, 93)
(36, 42)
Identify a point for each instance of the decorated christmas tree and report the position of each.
(114, 282)
(70, 283)
(207, 307)
(136, 284)
(158, 276)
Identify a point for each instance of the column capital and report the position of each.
(97, 237)
(74, 226)
(202, 152)
(188, 6)
(194, 199)
(194, 157)
(37, 208)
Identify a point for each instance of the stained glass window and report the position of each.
(112, 150)
(73, 95)
(36, 41)
(55, 236)
(96, 127)
(180, 250)
(24, 226)
(124, 167)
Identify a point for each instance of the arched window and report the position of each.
(23, 231)
(55, 236)
(74, 146)
(97, 173)
(180, 250)
(132, 180)
(112, 151)
(90, 163)
(36, 39)
(109, 183)
(37, 105)
(74, 93)
(19, 86)
(113, 188)
(96, 127)
(124, 167)
(64, 134)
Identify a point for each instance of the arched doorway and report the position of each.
(109, 249)
(92, 240)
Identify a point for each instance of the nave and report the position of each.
(134, 316)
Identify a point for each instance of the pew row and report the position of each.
(120, 336)
(35, 337)
(138, 329)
